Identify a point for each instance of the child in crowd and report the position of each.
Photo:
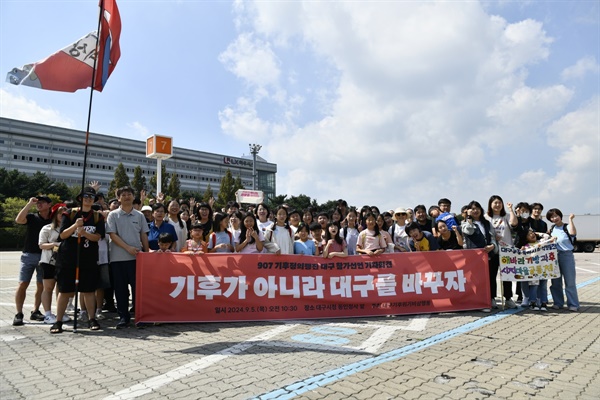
(195, 245)
(251, 239)
(281, 233)
(294, 220)
(384, 221)
(537, 291)
(449, 239)
(420, 240)
(370, 240)
(336, 216)
(165, 243)
(350, 231)
(317, 234)
(220, 240)
(336, 246)
(304, 245)
(323, 219)
(307, 216)
(235, 223)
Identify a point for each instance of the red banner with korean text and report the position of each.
(174, 287)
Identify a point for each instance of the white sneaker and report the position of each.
(66, 318)
(70, 307)
(99, 315)
(83, 316)
(50, 319)
(510, 304)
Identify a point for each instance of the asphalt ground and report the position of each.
(511, 354)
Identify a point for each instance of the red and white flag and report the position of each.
(72, 68)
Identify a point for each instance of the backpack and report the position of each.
(213, 238)
(571, 238)
(74, 212)
(273, 230)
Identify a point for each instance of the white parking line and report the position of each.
(189, 368)
(586, 270)
(10, 338)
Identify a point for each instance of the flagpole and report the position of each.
(85, 152)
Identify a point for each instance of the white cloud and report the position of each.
(252, 60)
(19, 107)
(432, 100)
(139, 130)
(581, 68)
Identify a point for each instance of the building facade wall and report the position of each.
(59, 153)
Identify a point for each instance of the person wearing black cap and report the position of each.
(30, 259)
(80, 230)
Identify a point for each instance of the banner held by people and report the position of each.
(174, 287)
(539, 262)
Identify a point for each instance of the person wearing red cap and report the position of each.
(31, 256)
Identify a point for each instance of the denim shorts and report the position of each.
(30, 262)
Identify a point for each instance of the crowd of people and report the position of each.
(97, 241)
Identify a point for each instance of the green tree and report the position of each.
(13, 184)
(299, 202)
(61, 190)
(276, 201)
(208, 193)
(138, 183)
(174, 189)
(121, 179)
(74, 192)
(328, 206)
(12, 235)
(18, 184)
(238, 184)
(187, 194)
(164, 179)
(227, 190)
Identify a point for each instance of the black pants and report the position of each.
(494, 262)
(124, 276)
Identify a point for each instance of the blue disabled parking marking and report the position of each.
(326, 378)
(326, 335)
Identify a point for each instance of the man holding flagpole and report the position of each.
(86, 63)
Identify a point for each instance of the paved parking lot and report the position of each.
(504, 355)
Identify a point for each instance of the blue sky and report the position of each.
(382, 103)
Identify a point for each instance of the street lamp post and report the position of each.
(254, 149)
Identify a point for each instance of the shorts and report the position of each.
(104, 280)
(30, 262)
(89, 276)
(49, 270)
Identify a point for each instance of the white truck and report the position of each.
(588, 232)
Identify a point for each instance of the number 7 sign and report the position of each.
(159, 147)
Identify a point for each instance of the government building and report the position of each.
(58, 152)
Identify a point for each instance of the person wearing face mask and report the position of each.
(522, 211)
